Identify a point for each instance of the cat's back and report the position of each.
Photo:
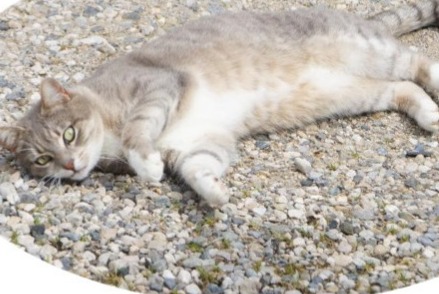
(277, 30)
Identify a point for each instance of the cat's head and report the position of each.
(60, 137)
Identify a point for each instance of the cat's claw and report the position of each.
(150, 168)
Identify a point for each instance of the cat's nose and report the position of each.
(69, 165)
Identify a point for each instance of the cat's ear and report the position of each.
(53, 94)
(9, 137)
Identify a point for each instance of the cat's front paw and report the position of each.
(211, 189)
(428, 116)
(149, 168)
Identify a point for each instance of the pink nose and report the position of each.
(69, 165)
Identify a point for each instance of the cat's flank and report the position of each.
(184, 99)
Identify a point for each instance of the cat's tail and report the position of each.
(410, 17)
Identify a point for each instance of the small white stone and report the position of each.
(47, 251)
(8, 192)
(281, 199)
(357, 139)
(158, 241)
(77, 77)
(25, 240)
(227, 283)
(380, 250)
(303, 165)
(167, 274)
(280, 215)
(220, 216)
(192, 289)
(89, 256)
(344, 247)
(260, 211)
(26, 217)
(299, 242)
(296, 213)
(170, 259)
(391, 210)
(428, 252)
(184, 276)
(342, 260)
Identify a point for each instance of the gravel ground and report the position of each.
(343, 206)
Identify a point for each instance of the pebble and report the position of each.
(347, 228)
(192, 289)
(419, 150)
(169, 279)
(344, 247)
(296, 213)
(158, 241)
(380, 250)
(184, 276)
(392, 210)
(8, 192)
(364, 213)
(260, 211)
(303, 165)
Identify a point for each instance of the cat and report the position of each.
(184, 100)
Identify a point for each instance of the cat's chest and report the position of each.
(112, 147)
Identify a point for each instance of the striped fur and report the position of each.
(406, 19)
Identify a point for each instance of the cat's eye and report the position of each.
(43, 160)
(69, 135)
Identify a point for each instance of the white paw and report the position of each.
(434, 76)
(211, 189)
(149, 169)
(428, 117)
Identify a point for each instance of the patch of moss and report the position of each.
(257, 266)
(210, 276)
(111, 278)
(194, 247)
(14, 237)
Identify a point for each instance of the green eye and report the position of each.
(69, 135)
(43, 160)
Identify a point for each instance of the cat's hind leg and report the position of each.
(404, 96)
(413, 100)
(417, 68)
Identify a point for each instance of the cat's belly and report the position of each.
(210, 113)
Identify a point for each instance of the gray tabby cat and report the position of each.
(186, 98)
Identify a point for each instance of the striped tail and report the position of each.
(408, 18)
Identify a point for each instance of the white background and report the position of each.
(23, 273)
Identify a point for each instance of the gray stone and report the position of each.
(214, 289)
(364, 213)
(262, 144)
(411, 182)
(156, 283)
(134, 15)
(347, 228)
(17, 93)
(4, 26)
(419, 150)
(37, 231)
(90, 11)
